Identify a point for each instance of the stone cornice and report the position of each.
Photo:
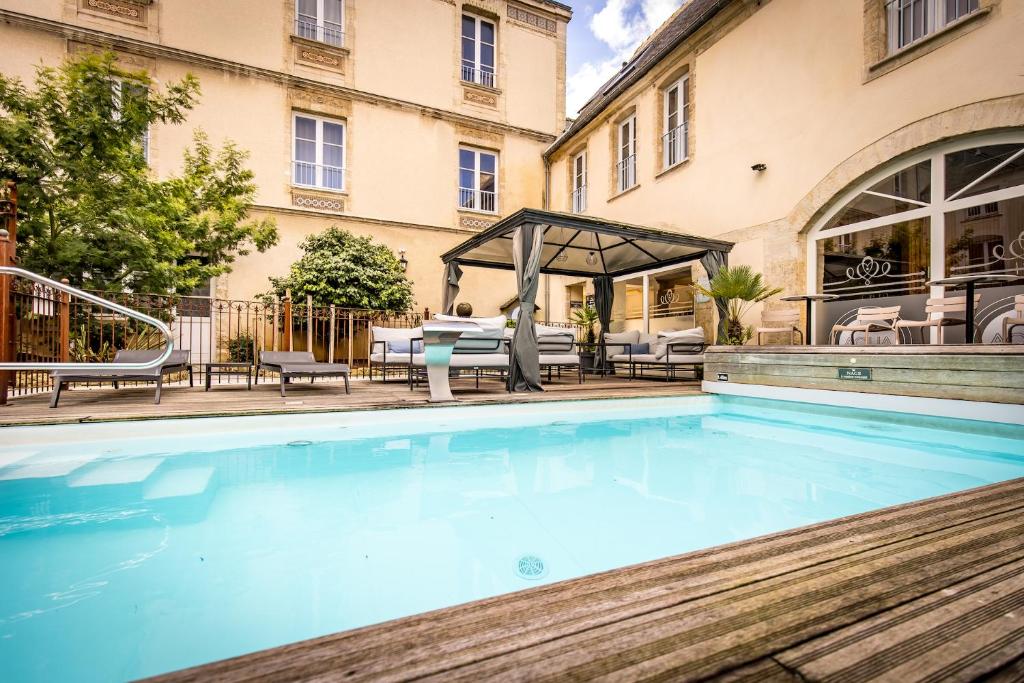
(351, 218)
(148, 49)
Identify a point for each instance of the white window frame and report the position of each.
(475, 73)
(321, 32)
(117, 86)
(319, 165)
(676, 138)
(935, 19)
(625, 166)
(935, 211)
(478, 198)
(579, 182)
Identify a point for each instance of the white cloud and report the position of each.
(621, 25)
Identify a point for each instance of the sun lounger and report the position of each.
(176, 362)
(292, 364)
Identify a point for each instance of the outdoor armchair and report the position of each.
(780, 322)
(939, 307)
(870, 319)
(1015, 319)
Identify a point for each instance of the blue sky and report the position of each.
(602, 35)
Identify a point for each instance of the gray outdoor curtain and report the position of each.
(524, 356)
(450, 287)
(604, 294)
(713, 261)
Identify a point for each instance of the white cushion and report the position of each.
(559, 359)
(392, 358)
(614, 341)
(490, 328)
(383, 335)
(691, 336)
(650, 358)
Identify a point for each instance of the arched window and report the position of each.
(949, 211)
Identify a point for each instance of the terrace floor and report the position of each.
(928, 591)
(92, 404)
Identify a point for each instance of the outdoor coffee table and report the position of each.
(810, 299)
(968, 282)
(229, 368)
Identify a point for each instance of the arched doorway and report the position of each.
(950, 210)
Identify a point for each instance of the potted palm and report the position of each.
(586, 319)
(742, 288)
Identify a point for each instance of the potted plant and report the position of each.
(743, 288)
(586, 318)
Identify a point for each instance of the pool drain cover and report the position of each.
(531, 567)
(300, 442)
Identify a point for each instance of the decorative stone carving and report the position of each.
(121, 9)
(476, 97)
(479, 137)
(305, 54)
(319, 102)
(474, 223)
(530, 19)
(318, 202)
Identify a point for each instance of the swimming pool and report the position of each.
(133, 549)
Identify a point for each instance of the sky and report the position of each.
(602, 35)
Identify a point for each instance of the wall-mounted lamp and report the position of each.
(758, 167)
(402, 261)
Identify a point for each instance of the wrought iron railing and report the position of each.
(306, 174)
(579, 199)
(625, 171)
(484, 76)
(675, 146)
(331, 34)
(478, 200)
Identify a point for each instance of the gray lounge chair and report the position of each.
(289, 364)
(176, 362)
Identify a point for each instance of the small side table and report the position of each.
(809, 298)
(229, 368)
(968, 282)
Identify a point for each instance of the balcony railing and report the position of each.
(478, 200)
(911, 20)
(625, 171)
(330, 34)
(318, 175)
(579, 199)
(675, 147)
(480, 76)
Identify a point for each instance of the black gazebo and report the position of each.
(532, 242)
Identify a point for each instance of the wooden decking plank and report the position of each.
(711, 635)
(955, 634)
(525, 622)
(765, 670)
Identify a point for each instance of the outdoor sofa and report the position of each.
(478, 351)
(178, 361)
(558, 350)
(292, 364)
(664, 354)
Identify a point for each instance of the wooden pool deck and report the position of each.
(928, 591)
(131, 403)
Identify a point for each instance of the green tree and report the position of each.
(337, 267)
(743, 288)
(91, 211)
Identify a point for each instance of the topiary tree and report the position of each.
(337, 267)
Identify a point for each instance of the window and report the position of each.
(319, 153)
(579, 182)
(677, 122)
(625, 169)
(478, 36)
(320, 20)
(125, 92)
(911, 20)
(478, 180)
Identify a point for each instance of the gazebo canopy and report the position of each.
(583, 246)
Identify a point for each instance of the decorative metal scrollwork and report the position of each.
(869, 269)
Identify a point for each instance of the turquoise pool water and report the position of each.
(131, 551)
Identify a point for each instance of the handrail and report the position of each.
(156, 362)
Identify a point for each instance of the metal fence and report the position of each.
(52, 326)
